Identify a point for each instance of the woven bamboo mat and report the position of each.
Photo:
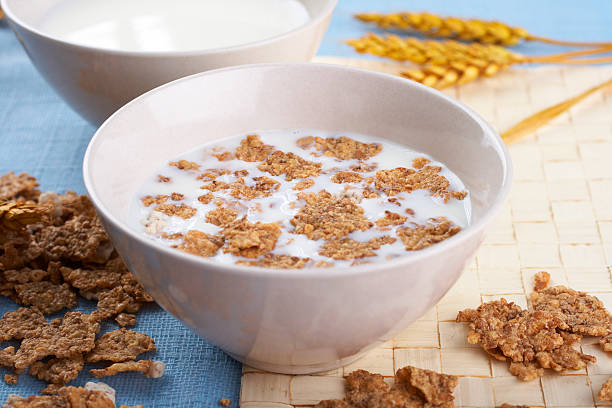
(558, 218)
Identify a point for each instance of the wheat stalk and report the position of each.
(446, 63)
(488, 32)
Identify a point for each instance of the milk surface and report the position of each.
(171, 25)
(283, 204)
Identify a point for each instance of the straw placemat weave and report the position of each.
(558, 218)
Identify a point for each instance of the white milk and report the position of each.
(171, 25)
(279, 208)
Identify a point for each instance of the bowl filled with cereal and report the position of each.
(296, 215)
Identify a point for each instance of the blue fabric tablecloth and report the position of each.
(39, 134)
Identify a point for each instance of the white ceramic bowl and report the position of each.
(95, 82)
(308, 320)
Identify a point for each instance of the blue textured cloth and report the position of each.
(39, 134)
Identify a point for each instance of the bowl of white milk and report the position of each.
(98, 55)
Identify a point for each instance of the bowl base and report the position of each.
(299, 369)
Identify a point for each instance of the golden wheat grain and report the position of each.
(466, 29)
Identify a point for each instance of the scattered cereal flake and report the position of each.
(75, 335)
(206, 198)
(177, 196)
(101, 387)
(304, 142)
(436, 389)
(112, 302)
(11, 379)
(199, 243)
(541, 280)
(325, 216)
(58, 370)
(65, 206)
(606, 342)
(346, 248)
(532, 340)
(323, 264)
(15, 401)
(163, 179)
(277, 261)
(17, 215)
(225, 156)
(420, 162)
(81, 238)
(409, 211)
(7, 357)
(185, 165)
(184, 211)
(150, 368)
(173, 236)
(345, 148)
(289, 164)
(212, 174)
(363, 167)
(134, 288)
(46, 296)
(21, 186)
(250, 240)
(422, 236)
(346, 177)
(149, 200)
(252, 149)
(390, 218)
(51, 389)
(221, 216)
(401, 179)
(126, 319)
(96, 279)
(24, 275)
(120, 345)
(583, 313)
(304, 184)
(224, 402)
(77, 397)
(605, 394)
(16, 325)
(241, 173)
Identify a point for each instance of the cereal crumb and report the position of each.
(126, 319)
(325, 216)
(163, 179)
(420, 162)
(605, 394)
(177, 196)
(423, 236)
(184, 211)
(150, 368)
(541, 280)
(11, 379)
(289, 164)
(250, 240)
(346, 177)
(224, 402)
(252, 149)
(363, 167)
(120, 345)
(345, 148)
(7, 357)
(304, 184)
(346, 248)
(221, 216)
(149, 200)
(391, 218)
(199, 243)
(277, 261)
(185, 165)
(401, 179)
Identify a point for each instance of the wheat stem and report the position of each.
(536, 121)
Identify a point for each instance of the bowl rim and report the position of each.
(311, 272)
(325, 12)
